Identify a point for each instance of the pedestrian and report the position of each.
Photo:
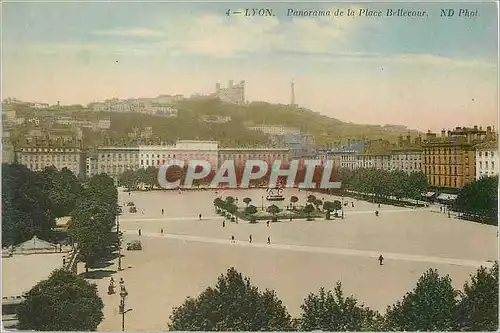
(378, 205)
(129, 193)
(440, 208)
(290, 219)
(139, 232)
(250, 238)
(143, 212)
(380, 260)
(449, 215)
(223, 223)
(199, 216)
(267, 223)
(232, 239)
(269, 240)
(161, 231)
(352, 204)
(376, 213)
(162, 211)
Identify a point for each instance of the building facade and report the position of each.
(115, 160)
(449, 159)
(407, 156)
(241, 155)
(487, 159)
(183, 150)
(38, 158)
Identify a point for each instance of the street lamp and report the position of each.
(262, 203)
(342, 196)
(123, 295)
(119, 243)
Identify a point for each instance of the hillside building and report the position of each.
(234, 93)
(487, 159)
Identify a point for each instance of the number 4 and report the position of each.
(228, 12)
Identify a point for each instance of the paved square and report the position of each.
(302, 257)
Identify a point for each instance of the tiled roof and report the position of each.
(492, 144)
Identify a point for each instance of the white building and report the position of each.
(183, 150)
(38, 158)
(381, 161)
(487, 159)
(104, 123)
(274, 129)
(115, 160)
(408, 156)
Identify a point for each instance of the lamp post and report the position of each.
(119, 243)
(342, 205)
(262, 202)
(123, 296)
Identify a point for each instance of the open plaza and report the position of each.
(302, 257)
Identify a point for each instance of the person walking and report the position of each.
(380, 260)
(269, 240)
(199, 216)
(223, 223)
(161, 231)
(250, 238)
(232, 239)
(162, 211)
(267, 223)
(139, 232)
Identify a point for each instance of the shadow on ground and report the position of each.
(98, 274)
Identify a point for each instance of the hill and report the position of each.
(189, 124)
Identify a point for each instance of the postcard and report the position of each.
(250, 166)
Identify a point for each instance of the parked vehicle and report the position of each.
(135, 245)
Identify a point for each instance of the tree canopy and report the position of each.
(27, 209)
(234, 304)
(479, 199)
(63, 302)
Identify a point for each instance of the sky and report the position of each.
(430, 72)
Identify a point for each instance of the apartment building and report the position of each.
(241, 155)
(449, 159)
(407, 156)
(487, 159)
(115, 160)
(37, 158)
(183, 150)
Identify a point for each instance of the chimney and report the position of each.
(408, 139)
(449, 133)
(400, 141)
(488, 129)
(475, 128)
(443, 133)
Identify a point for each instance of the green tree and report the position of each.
(62, 188)
(308, 209)
(332, 311)
(311, 199)
(234, 304)
(129, 179)
(330, 206)
(318, 203)
(247, 201)
(274, 210)
(479, 310)
(431, 306)
(230, 200)
(63, 302)
(251, 210)
(479, 199)
(294, 200)
(26, 208)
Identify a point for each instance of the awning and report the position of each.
(448, 197)
(430, 194)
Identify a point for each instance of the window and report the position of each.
(492, 154)
(485, 154)
(480, 154)
(486, 164)
(492, 165)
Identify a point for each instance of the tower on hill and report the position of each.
(292, 101)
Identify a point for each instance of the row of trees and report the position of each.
(148, 177)
(93, 218)
(383, 183)
(479, 200)
(234, 304)
(66, 302)
(31, 201)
